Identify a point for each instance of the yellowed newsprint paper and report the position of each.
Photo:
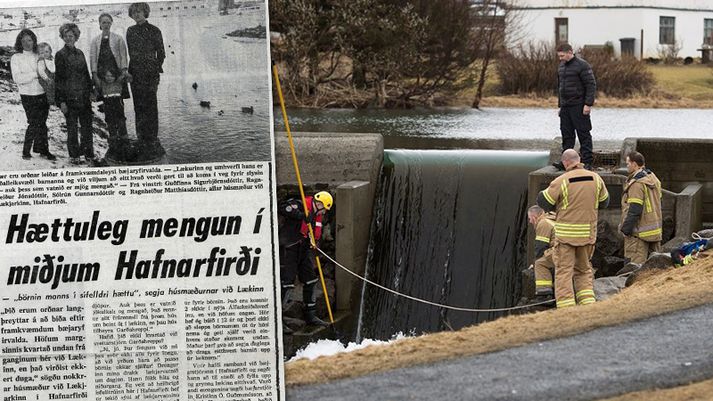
(137, 216)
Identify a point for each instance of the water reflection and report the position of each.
(500, 123)
(230, 73)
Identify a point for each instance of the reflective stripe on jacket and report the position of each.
(545, 229)
(576, 196)
(644, 188)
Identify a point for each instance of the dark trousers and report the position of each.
(79, 110)
(116, 124)
(146, 109)
(36, 110)
(572, 119)
(297, 260)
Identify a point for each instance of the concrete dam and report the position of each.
(449, 225)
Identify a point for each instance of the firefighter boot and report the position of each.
(545, 295)
(311, 306)
(312, 319)
(286, 292)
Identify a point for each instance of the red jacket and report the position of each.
(295, 228)
(315, 219)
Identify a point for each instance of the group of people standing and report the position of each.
(565, 220)
(566, 215)
(65, 81)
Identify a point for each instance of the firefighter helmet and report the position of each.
(324, 197)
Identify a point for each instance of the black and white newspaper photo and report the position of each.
(137, 223)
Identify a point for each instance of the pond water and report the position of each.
(230, 73)
(611, 125)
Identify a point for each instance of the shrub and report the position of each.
(529, 68)
(623, 77)
(532, 68)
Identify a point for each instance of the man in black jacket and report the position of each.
(576, 87)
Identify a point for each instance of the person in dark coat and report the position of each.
(576, 88)
(73, 94)
(146, 55)
(296, 254)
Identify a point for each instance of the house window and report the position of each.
(708, 31)
(667, 30)
(561, 30)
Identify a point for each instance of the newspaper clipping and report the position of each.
(137, 224)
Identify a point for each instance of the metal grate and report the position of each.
(605, 159)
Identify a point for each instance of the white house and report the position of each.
(642, 28)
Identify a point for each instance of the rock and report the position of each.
(292, 306)
(673, 244)
(629, 268)
(194, 86)
(669, 228)
(537, 308)
(205, 103)
(610, 266)
(658, 260)
(528, 283)
(606, 287)
(655, 261)
(610, 242)
(319, 297)
(294, 324)
(708, 233)
(705, 234)
(258, 32)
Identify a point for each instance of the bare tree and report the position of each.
(400, 52)
(491, 30)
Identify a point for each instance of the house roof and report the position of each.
(689, 5)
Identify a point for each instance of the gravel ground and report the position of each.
(665, 351)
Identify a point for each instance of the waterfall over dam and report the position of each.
(449, 227)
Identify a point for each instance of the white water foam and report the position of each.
(333, 347)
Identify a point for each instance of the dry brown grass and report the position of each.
(692, 392)
(658, 293)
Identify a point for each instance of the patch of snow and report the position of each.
(333, 347)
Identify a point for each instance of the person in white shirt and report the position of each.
(46, 69)
(34, 100)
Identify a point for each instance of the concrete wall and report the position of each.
(347, 165)
(353, 229)
(585, 26)
(679, 163)
(329, 159)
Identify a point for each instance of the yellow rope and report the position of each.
(302, 192)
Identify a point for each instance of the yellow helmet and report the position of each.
(324, 197)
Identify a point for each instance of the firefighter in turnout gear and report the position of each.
(576, 196)
(640, 210)
(544, 224)
(297, 258)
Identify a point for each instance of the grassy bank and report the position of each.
(696, 391)
(658, 293)
(677, 86)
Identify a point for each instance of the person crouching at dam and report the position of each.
(576, 196)
(544, 224)
(296, 254)
(641, 218)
